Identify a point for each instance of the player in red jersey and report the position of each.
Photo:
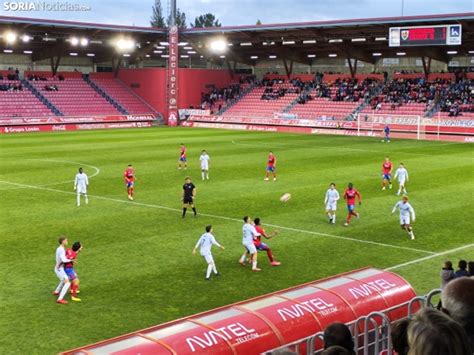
(129, 179)
(350, 196)
(271, 167)
(262, 246)
(182, 157)
(387, 168)
(71, 254)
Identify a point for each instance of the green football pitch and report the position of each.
(137, 267)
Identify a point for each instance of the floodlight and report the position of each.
(10, 37)
(218, 46)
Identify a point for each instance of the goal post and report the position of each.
(405, 125)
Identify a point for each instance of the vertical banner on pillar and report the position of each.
(173, 61)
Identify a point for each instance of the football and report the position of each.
(285, 197)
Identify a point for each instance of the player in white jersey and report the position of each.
(249, 233)
(205, 244)
(61, 259)
(330, 200)
(80, 186)
(402, 175)
(204, 158)
(405, 211)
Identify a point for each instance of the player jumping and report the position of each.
(129, 179)
(189, 194)
(387, 168)
(405, 210)
(402, 174)
(350, 196)
(330, 200)
(262, 246)
(61, 259)
(204, 158)
(271, 167)
(71, 254)
(80, 186)
(182, 157)
(248, 234)
(205, 244)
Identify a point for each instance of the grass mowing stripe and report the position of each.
(226, 218)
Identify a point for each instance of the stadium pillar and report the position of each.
(352, 67)
(288, 68)
(116, 61)
(426, 65)
(55, 64)
(232, 68)
(173, 64)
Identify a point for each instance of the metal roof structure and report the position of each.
(293, 42)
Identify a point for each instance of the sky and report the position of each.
(240, 12)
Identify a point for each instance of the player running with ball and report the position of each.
(205, 244)
(405, 211)
(350, 196)
(330, 200)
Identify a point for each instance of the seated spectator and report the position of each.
(434, 333)
(458, 302)
(336, 350)
(446, 274)
(339, 334)
(462, 269)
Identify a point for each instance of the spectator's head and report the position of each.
(462, 264)
(458, 302)
(448, 265)
(433, 333)
(470, 267)
(399, 336)
(338, 334)
(336, 350)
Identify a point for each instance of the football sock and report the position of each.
(334, 218)
(64, 290)
(194, 210)
(87, 199)
(60, 286)
(214, 268)
(74, 290)
(184, 211)
(254, 264)
(203, 176)
(242, 258)
(78, 199)
(348, 219)
(270, 255)
(209, 269)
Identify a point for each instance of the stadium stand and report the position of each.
(72, 96)
(121, 94)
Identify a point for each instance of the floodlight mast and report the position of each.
(172, 70)
(172, 13)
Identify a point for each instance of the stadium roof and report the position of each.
(354, 38)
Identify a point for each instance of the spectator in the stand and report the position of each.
(339, 334)
(458, 303)
(434, 333)
(336, 350)
(446, 275)
(470, 268)
(399, 336)
(462, 269)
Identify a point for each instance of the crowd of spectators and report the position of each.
(51, 88)
(457, 98)
(229, 93)
(40, 77)
(11, 87)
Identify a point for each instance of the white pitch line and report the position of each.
(429, 257)
(97, 171)
(226, 218)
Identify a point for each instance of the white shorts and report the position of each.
(81, 190)
(404, 220)
(331, 206)
(61, 274)
(204, 167)
(209, 259)
(250, 247)
(401, 182)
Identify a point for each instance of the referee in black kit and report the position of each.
(189, 193)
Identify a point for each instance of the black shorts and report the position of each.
(188, 200)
